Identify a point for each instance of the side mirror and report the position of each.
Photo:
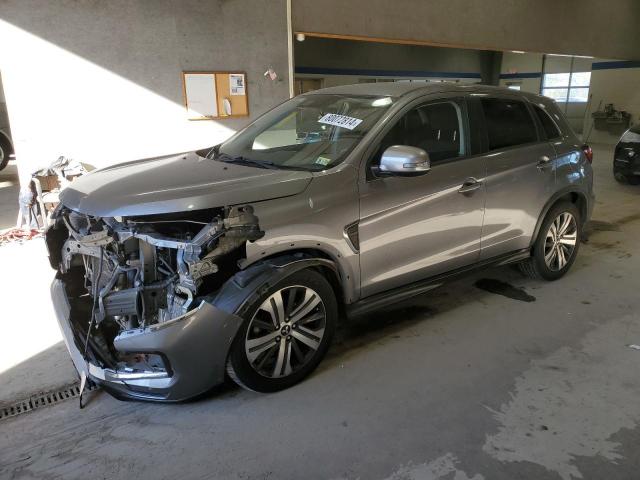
(404, 160)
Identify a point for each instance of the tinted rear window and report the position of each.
(508, 123)
(549, 127)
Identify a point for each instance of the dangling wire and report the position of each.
(95, 287)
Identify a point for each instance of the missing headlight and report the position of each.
(142, 271)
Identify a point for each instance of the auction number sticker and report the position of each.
(340, 121)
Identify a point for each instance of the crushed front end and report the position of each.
(133, 297)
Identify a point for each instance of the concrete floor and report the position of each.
(457, 384)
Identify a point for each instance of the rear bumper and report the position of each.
(193, 346)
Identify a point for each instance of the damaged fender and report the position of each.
(197, 344)
(240, 292)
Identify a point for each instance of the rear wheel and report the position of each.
(286, 334)
(557, 244)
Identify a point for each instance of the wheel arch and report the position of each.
(328, 266)
(344, 276)
(578, 198)
(237, 293)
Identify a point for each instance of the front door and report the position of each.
(416, 227)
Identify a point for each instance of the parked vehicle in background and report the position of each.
(626, 157)
(235, 260)
(6, 145)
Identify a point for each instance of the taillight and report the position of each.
(588, 153)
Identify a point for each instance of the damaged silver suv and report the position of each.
(175, 272)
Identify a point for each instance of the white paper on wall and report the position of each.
(236, 84)
(201, 95)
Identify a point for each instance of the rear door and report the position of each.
(521, 171)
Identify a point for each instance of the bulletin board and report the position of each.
(215, 95)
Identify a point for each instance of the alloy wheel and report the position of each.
(285, 331)
(560, 241)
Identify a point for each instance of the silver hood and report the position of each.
(177, 183)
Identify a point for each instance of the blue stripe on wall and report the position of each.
(521, 75)
(615, 64)
(384, 73)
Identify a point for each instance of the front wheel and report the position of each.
(557, 244)
(285, 334)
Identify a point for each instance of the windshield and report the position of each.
(312, 132)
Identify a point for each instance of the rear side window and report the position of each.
(548, 125)
(508, 123)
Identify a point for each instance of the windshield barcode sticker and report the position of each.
(340, 121)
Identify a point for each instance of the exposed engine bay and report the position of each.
(131, 273)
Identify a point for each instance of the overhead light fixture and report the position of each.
(300, 37)
(381, 102)
(517, 51)
(567, 55)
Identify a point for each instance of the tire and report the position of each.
(620, 177)
(268, 358)
(626, 179)
(633, 180)
(557, 264)
(5, 152)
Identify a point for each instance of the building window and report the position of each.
(567, 87)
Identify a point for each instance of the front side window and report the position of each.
(311, 132)
(550, 128)
(435, 127)
(508, 123)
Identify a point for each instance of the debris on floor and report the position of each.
(18, 235)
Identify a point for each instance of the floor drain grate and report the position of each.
(44, 399)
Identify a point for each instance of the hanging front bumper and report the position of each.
(194, 349)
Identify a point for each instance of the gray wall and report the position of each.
(108, 73)
(527, 64)
(349, 54)
(343, 62)
(579, 27)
